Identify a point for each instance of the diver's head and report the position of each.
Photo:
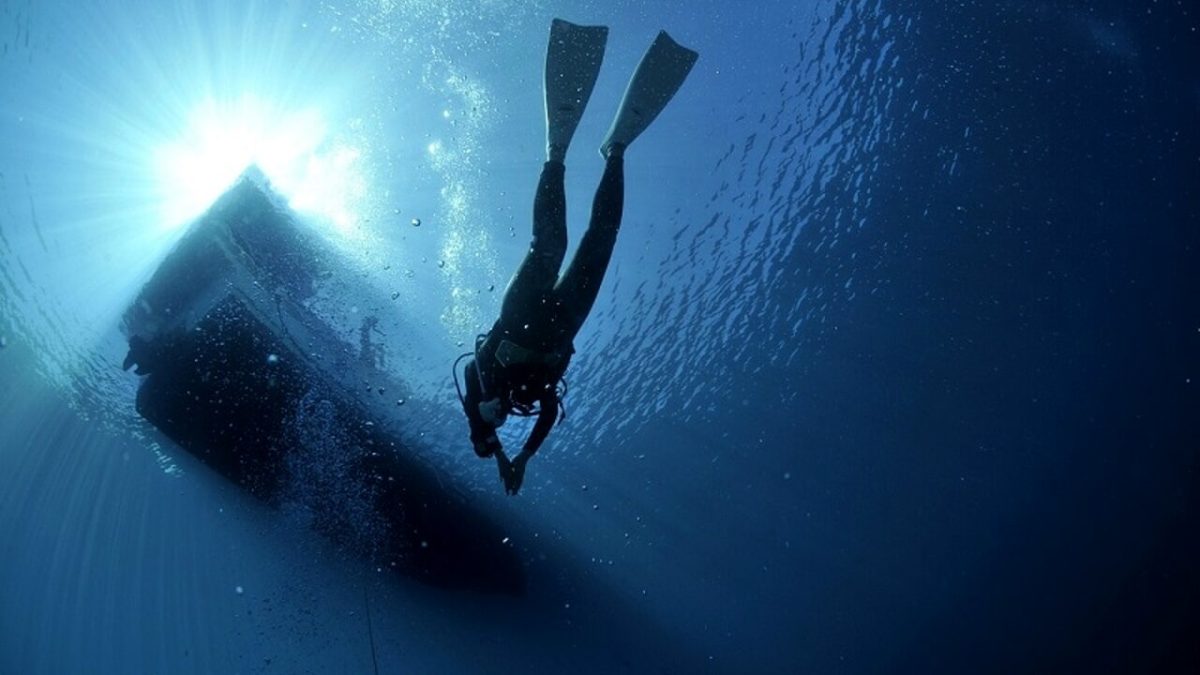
(493, 411)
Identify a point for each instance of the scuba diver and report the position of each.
(518, 366)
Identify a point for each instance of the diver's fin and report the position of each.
(572, 63)
(658, 76)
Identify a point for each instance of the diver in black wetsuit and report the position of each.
(528, 349)
(518, 365)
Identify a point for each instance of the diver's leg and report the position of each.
(539, 270)
(580, 284)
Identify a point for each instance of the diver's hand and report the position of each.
(504, 465)
(488, 446)
(516, 474)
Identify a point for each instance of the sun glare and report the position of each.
(317, 173)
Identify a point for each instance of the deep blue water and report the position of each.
(895, 368)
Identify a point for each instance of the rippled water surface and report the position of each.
(894, 368)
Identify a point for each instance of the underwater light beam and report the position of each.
(317, 173)
(129, 124)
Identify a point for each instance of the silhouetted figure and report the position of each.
(518, 366)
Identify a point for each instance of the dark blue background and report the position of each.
(895, 369)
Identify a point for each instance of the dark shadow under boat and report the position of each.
(241, 371)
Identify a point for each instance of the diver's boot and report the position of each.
(573, 60)
(658, 76)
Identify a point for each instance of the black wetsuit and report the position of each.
(527, 351)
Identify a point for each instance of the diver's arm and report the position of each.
(481, 431)
(545, 422)
(513, 474)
